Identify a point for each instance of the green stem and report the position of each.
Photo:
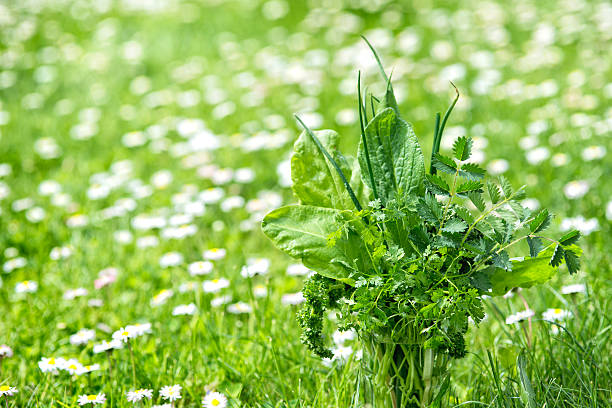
(133, 364)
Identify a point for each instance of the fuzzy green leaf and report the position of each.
(477, 200)
(535, 246)
(455, 225)
(570, 238)
(395, 156)
(437, 185)
(302, 232)
(445, 164)
(462, 148)
(469, 186)
(557, 256)
(465, 214)
(572, 261)
(540, 222)
(494, 193)
(506, 186)
(471, 171)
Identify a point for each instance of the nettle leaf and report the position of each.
(540, 222)
(471, 171)
(302, 232)
(429, 209)
(524, 274)
(469, 186)
(535, 246)
(557, 256)
(477, 200)
(445, 164)
(502, 260)
(462, 148)
(455, 225)
(570, 238)
(395, 156)
(437, 185)
(506, 186)
(315, 180)
(572, 261)
(494, 193)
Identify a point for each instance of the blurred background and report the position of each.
(138, 134)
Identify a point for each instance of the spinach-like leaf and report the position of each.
(395, 156)
(315, 180)
(303, 231)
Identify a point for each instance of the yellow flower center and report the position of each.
(215, 280)
(125, 333)
(72, 367)
(51, 361)
(4, 388)
(215, 402)
(557, 311)
(92, 397)
(214, 250)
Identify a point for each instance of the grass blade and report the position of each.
(363, 138)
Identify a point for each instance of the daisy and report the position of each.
(200, 268)
(215, 285)
(215, 254)
(107, 346)
(26, 287)
(161, 297)
(171, 392)
(124, 334)
(51, 364)
(7, 390)
(88, 369)
(139, 328)
(556, 314)
(260, 291)
(566, 290)
(170, 259)
(239, 308)
(292, 298)
(221, 300)
(214, 400)
(138, 395)
(73, 366)
(180, 310)
(517, 317)
(297, 270)
(255, 266)
(5, 351)
(83, 336)
(74, 293)
(92, 399)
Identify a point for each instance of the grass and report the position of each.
(531, 74)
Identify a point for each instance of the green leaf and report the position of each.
(527, 392)
(462, 148)
(455, 225)
(469, 186)
(389, 99)
(524, 274)
(465, 214)
(437, 185)
(395, 156)
(572, 261)
(570, 238)
(557, 256)
(506, 186)
(535, 246)
(315, 180)
(502, 260)
(540, 222)
(471, 171)
(429, 209)
(477, 200)
(445, 164)
(302, 232)
(494, 192)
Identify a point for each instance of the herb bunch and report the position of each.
(405, 255)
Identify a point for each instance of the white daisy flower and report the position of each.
(171, 392)
(51, 364)
(215, 285)
(124, 334)
(73, 366)
(297, 270)
(200, 268)
(26, 287)
(92, 399)
(255, 266)
(13, 264)
(221, 300)
(239, 308)
(556, 314)
(260, 291)
(5, 351)
(88, 369)
(170, 259)
(161, 297)
(214, 400)
(576, 189)
(215, 254)
(180, 310)
(139, 329)
(566, 290)
(520, 316)
(7, 391)
(139, 395)
(83, 336)
(107, 346)
(292, 298)
(74, 293)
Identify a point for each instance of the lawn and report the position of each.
(143, 141)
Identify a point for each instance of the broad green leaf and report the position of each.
(315, 180)
(395, 156)
(524, 274)
(455, 225)
(302, 231)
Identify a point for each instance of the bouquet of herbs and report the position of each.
(403, 254)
